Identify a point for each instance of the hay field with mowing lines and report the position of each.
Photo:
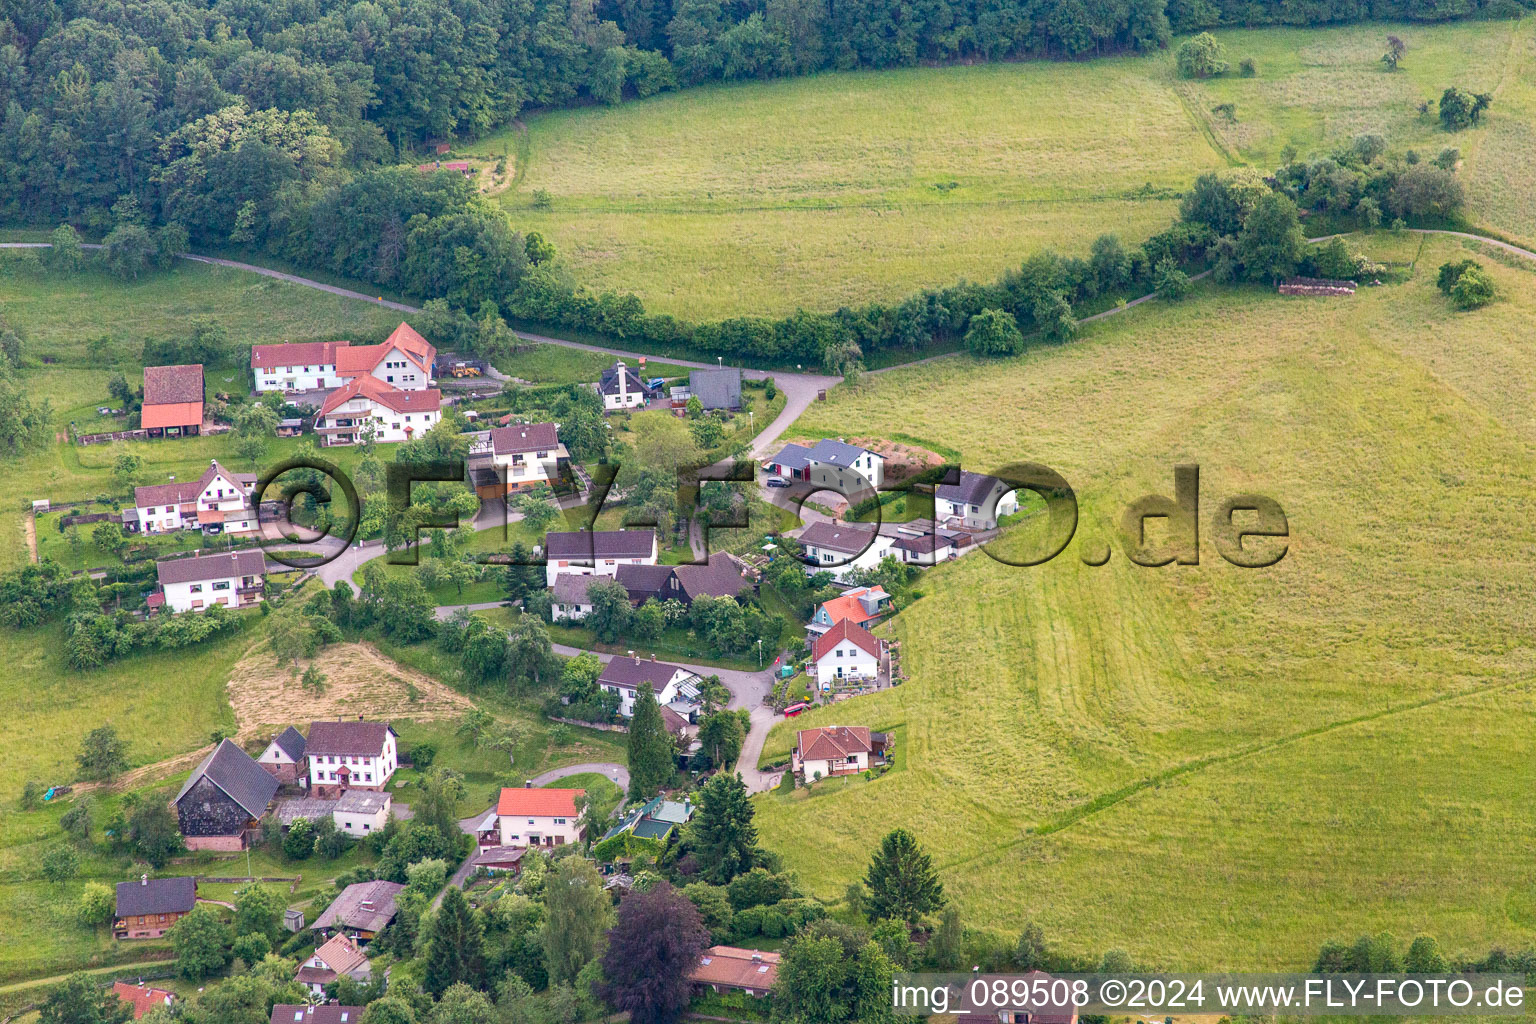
(1254, 761)
(835, 189)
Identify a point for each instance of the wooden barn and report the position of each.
(223, 798)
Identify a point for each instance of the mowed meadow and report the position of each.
(1250, 761)
(836, 189)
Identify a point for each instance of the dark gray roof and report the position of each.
(307, 807)
(599, 544)
(359, 739)
(524, 437)
(972, 489)
(792, 456)
(238, 775)
(364, 906)
(719, 388)
(837, 453)
(842, 537)
(643, 581)
(156, 896)
(324, 1013)
(609, 383)
(628, 673)
(923, 545)
(291, 742)
(246, 562)
(718, 577)
(571, 587)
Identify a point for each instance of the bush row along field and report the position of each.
(1253, 761)
(841, 188)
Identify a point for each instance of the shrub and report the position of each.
(97, 904)
(1247, 68)
(1473, 289)
(994, 332)
(1171, 282)
(1202, 57)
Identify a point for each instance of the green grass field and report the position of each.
(835, 189)
(1254, 761)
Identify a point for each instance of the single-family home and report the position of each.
(849, 470)
(729, 969)
(840, 548)
(234, 579)
(361, 911)
(929, 547)
(568, 597)
(654, 819)
(845, 652)
(223, 799)
(284, 757)
(142, 998)
(403, 361)
(173, 400)
(315, 1013)
(596, 552)
(538, 817)
(525, 455)
(394, 415)
(624, 673)
(146, 909)
(622, 388)
(1051, 1012)
(860, 605)
(719, 576)
(216, 502)
(836, 750)
(361, 812)
(975, 501)
(717, 387)
(350, 755)
(337, 957)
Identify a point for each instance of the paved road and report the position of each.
(617, 772)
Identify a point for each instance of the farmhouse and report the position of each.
(338, 956)
(538, 817)
(315, 1013)
(718, 577)
(836, 465)
(350, 755)
(596, 552)
(718, 388)
(525, 456)
(569, 600)
(729, 969)
(223, 799)
(361, 911)
(403, 361)
(216, 502)
(861, 606)
(146, 909)
(624, 674)
(141, 997)
(393, 414)
(974, 502)
(622, 388)
(173, 400)
(284, 757)
(836, 750)
(840, 548)
(234, 579)
(845, 652)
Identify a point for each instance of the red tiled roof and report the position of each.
(736, 968)
(848, 607)
(142, 997)
(306, 353)
(341, 954)
(171, 385)
(375, 390)
(408, 340)
(539, 803)
(833, 742)
(183, 490)
(846, 630)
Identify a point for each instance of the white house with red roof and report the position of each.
(538, 817)
(216, 502)
(338, 956)
(403, 361)
(860, 605)
(845, 652)
(395, 415)
(346, 755)
(834, 750)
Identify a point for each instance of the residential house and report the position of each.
(718, 577)
(538, 817)
(173, 400)
(403, 361)
(716, 388)
(234, 579)
(1051, 1012)
(526, 455)
(840, 548)
(975, 502)
(596, 552)
(146, 909)
(337, 957)
(361, 812)
(141, 997)
(394, 415)
(361, 911)
(729, 969)
(569, 600)
(860, 605)
(624, 674)
(223, 798)
(350, 755)
(284, 757)
(216, 502)
(622, 388)
(655, 819)
(845, 652)
(501, 859)
(929, 547)
(837, 750)
(316, 1013)
(849, 470)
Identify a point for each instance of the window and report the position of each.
(221, 585)
(196, 588)
(559, 821)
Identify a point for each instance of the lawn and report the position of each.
(1255, 761)
(835, 189)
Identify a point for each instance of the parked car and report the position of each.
(777, 481)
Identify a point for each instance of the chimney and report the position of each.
(527, 783)
(756, 956)
(653, 657)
